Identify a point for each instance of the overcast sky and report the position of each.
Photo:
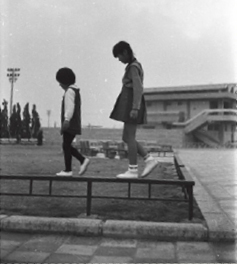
(178, 42)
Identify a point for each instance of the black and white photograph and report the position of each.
(118, 131)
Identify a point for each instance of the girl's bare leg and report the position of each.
(141, 151)
(129, 135)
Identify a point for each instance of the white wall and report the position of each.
(195, 106)
(198, 106)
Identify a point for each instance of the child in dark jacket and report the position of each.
(70, 121)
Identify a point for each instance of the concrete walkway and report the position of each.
(55, 248)
(215, 175)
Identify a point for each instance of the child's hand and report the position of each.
(134, 113)
(65, 126)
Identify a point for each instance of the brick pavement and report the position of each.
(48, 248)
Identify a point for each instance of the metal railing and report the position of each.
(184, 181)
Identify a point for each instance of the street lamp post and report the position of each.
(12, 75)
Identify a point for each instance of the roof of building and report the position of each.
(190, 88)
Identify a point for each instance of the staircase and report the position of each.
(194, 125)
(203, 136)
(198, 122)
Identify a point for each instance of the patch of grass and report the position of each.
(47, 160)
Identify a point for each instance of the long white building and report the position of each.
(206, 112)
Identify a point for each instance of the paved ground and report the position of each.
(215, 175)
(33, 248)
(214, 172)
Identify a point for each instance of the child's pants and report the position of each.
(70, 151)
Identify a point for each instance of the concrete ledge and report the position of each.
(3, 216)
(116, 228)
(158, 231)
(85, 227)
(110, 228)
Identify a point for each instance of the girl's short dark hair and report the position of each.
(65, 76)
(120, 47)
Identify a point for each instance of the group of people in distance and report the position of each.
(129, 108)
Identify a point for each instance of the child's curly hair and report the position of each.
(65, 76)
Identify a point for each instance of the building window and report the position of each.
(227, 105)
(149, 103)
(209, 127)
(213, 127)
(166, 103)
(213, 104)
(180, 102)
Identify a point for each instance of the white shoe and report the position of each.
(84, 166)
(64, 173)
(151, 163)
(130, 174)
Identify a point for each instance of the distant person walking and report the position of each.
(70, 121)
(130, 108)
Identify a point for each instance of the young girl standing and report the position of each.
(70, 121)
(130, 108)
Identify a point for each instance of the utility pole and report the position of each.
(12, 75)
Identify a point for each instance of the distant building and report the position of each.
(207, 112)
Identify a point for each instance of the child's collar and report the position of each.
(133, 60)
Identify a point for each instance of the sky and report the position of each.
(178, 42)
